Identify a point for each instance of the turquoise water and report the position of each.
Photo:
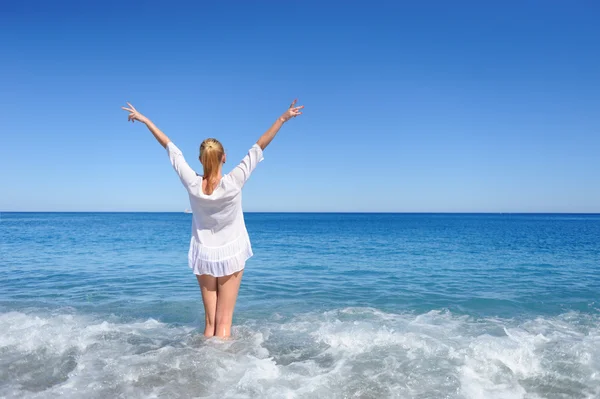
(332, 305)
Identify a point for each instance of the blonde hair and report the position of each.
(211, 156)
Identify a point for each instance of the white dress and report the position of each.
(220, 244)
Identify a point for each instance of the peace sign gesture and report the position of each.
(292, 111)
(134, 114)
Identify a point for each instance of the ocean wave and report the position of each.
(350, 352)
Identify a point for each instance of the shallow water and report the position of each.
(331, 306)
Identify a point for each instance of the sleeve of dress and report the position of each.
(187, 175)
(242, 172)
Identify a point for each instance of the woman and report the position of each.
(220, 244)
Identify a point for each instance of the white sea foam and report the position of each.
(356, 352)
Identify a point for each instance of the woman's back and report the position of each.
(217, 217)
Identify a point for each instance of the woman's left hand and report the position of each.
(291, 112)
(134, 114)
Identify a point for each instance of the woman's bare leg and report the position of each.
(208, 287)
(228, 288)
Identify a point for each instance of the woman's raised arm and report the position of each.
(187, 175)
(268, 136)
(135, 115)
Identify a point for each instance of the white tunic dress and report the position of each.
(220, 244)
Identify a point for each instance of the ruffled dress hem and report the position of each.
(219, 261)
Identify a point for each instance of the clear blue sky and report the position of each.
(444, 107)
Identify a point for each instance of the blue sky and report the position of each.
(435, 107)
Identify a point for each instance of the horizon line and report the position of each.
(344, 212)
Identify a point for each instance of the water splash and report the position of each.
(350, 352)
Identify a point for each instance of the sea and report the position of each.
(332, 305)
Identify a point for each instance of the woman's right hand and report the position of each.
(134, 114)
(268, 136)
(291, 112)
